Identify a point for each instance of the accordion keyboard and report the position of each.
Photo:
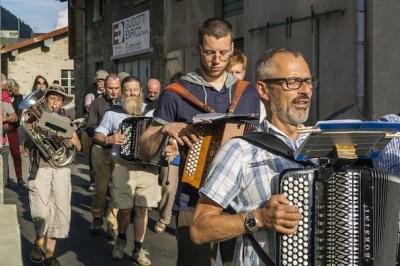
(294, 249)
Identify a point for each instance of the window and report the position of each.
(98, 10)
(68, 81)
(232, 8)
(138, 67)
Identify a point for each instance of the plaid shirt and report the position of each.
(242, 176)
(389, 160)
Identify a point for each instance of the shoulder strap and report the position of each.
(240, 87)
(273, 145)
(259, 250)
(179, 89)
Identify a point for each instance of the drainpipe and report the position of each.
(84, 57)
(360, 55)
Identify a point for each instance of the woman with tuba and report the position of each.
(50, 185)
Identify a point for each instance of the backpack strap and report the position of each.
(274, 145)
(240, 87)
(179, 89)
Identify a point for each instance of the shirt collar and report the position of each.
(267, 127)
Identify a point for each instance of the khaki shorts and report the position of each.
(134, 185)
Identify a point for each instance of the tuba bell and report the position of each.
(49, 130)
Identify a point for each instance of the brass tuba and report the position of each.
(47, 129)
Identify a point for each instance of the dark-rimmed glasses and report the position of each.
(209, 55)
(293, 83)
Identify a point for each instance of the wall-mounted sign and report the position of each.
(131, 34)
(9, 33)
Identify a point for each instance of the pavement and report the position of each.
(81, 248)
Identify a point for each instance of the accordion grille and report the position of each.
(343, 219)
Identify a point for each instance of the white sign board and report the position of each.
(131, 34)
(9, 34)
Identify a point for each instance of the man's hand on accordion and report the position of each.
(183, 133)
(279, 216)
(171, 150)
(116, 138)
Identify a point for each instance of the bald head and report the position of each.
(153, 89)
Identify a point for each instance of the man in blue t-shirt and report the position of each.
(173, 115)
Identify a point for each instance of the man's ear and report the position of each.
(262, 90)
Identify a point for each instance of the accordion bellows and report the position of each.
(349, 217)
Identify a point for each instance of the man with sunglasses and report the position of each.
(213, 85)
(241, 173)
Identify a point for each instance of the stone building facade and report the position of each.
(46, 54)
(351, 46)
(116, 36)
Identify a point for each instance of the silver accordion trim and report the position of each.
(349, 217)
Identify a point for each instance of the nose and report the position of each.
(306, 88)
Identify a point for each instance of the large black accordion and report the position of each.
(133, 128)
(349, 217)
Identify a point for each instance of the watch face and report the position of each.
(252, 223)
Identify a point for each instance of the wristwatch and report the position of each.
(250, 222)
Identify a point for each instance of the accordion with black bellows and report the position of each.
(349, 217)
(133, 128)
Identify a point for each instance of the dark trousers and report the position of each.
(13, 139)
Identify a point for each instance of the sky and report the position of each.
(42, 15)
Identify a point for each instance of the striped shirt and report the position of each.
(242, 176)
(389, 160)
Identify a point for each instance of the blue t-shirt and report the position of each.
(172, 108)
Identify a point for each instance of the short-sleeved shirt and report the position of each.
(242, 176)
(389, 160)
(172, 108)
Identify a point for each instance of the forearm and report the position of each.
(100, 138)
(215, 228)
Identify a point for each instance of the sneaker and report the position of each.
(51, 261)
(91, 187)
(96, 226)
(111, 234)
(140, 257)
(36, 255)
(118, 250)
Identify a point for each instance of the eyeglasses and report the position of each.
(41, 83)
(293, 83)
(210, 55)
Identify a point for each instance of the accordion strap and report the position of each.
(179, 89)
(240, 87)
(260, 252)
(273, 145)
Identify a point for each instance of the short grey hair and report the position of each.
(265, 65)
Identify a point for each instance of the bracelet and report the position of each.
(106, 141)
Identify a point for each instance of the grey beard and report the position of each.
(289, 115)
